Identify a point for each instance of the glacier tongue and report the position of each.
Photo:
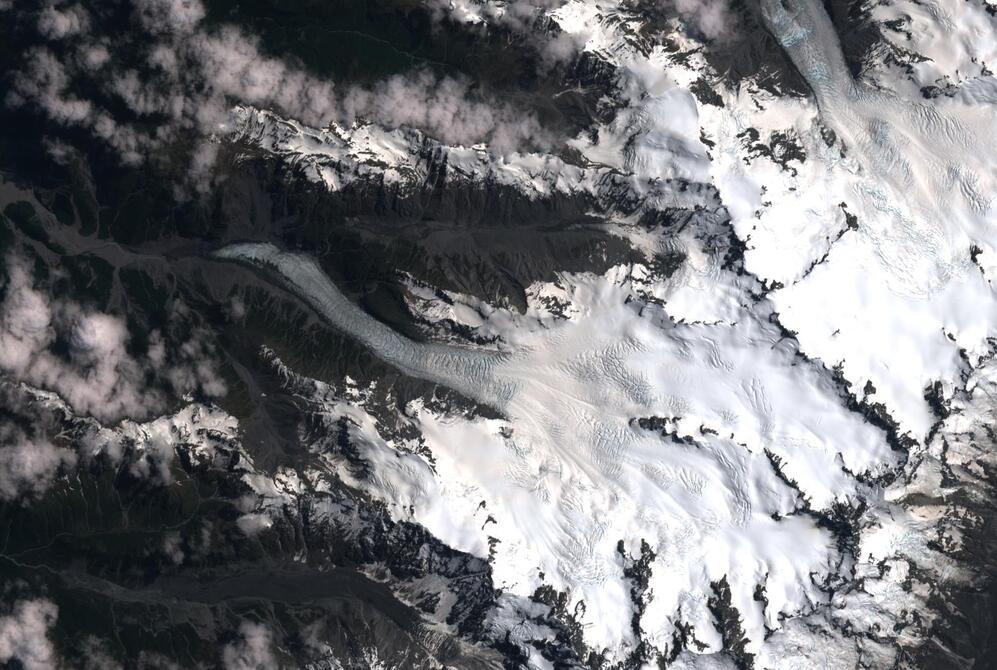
(899, 302)
(745, 455)
(620, 424)
(465, 371)
(693, 355)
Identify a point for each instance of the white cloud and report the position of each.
(94, 56)
(172, 547)
(56, 24)
(29, 466)
(709, 16)
(96, 375)
(201, 73)
(96, 657)
(529, 19)
(444, 107)
(170, 16)
(24, 635)
(234, 69)
(253, 524)
(30, 461)
(164, 57)
(26, 326)
(45, 82)
(253, 652)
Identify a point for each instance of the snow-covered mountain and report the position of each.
(687, 361)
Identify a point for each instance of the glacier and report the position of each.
(721, 431)
(901, 296)
(750, 427)
(622, 424)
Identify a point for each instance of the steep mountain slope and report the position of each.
(498, 334)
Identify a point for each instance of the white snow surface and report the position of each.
(569, 472)
(895, 301)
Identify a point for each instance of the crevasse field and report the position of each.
(692, 423)
(478, 334)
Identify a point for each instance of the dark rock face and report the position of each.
(485, 239)
(159, 541)
(96, 545)
(332, 565)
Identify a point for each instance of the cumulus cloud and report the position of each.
(94, 56)
(56, 24)
(517, 15)
(27, 466)
(254, 651)
(94, 654)
(45, 81)
(234, 69)
(253, 524)
(190, 77)
(30, 458)
(24, 635)
(170, 16)
(173, 547)
(154, 459)
(43, 440)
(530, 19)
(96, 657)
(711, 17)
(94, 371)
(446, 107)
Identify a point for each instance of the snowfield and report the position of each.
(621, 424)
(751, 425)
(719, 425)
